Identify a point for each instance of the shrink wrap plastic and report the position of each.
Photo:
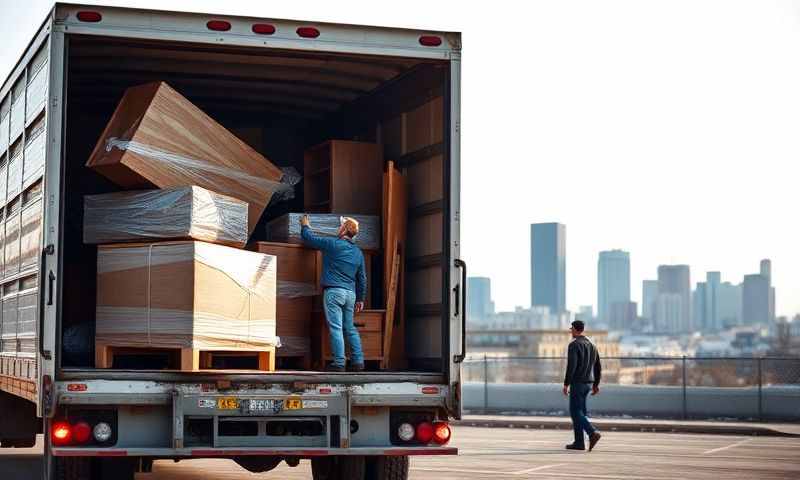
(171, 213)
(286, 228)
(140, 301)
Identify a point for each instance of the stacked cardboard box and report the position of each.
(298, 282)
(156, 137)
(197, 297)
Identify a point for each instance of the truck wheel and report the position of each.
(343, 467)
(387, 468)
(73, 468)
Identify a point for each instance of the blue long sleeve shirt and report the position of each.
(342, 263)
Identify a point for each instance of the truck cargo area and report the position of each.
(280, 103)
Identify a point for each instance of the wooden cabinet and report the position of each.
(343, 177)
(370, 326)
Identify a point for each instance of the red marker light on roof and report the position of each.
(430, 41)
(87, 16)
(263, 29)
(218, 25)
(308, 32)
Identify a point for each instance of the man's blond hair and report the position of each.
(350, 225)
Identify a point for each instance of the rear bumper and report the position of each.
(239, 452)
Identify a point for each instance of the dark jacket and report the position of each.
(583, 362)
(342, 263)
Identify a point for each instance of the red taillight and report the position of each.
(81, 432)
(77, 387)
(441, 433)
(62, 433)
(430, 41)
(325, 390)
(87, 16)
(218, 25)
(263, 29)
(308, 32)
(430, 390)
(424, 432)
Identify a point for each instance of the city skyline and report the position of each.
(721, 288)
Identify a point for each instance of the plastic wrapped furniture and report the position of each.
(156, 137)
(169, 214)
(286, 229)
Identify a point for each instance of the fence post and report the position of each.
(683, 364)
(760, 397)
(485, 385)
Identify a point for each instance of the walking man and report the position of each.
(583, 375)
(344, 284)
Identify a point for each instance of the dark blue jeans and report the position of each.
(577, 410)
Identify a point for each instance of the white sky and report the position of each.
(667, 128)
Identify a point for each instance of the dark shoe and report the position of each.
(593, 439)
(334, 368)
(572, 446)
(356, 367)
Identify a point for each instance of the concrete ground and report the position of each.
(519, 453)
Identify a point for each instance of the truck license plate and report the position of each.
(227, 403)
(262, 405)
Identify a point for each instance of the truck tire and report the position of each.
(343, 467)
(387, 468)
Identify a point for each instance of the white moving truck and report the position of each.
(282, 85)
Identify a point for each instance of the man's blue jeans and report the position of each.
(339, 304)
(577, 410)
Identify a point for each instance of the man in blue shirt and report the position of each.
(344, 284)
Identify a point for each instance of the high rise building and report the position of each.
(699, 303)
(758, 296)
(479, 299)
(674, 281)
(649, 298)
(670, 313)
(613, 285)
(711, 319)
(730, 304)
(549, 266)
(705, 300)
(623, 316)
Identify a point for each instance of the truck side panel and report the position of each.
(23, 143)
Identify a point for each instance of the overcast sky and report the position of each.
(670, 129)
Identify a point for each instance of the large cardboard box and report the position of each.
(185, 295)
(286, 228)
(156, 137)
(169, 214)
(299, 270)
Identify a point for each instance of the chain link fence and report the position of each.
(661, 387)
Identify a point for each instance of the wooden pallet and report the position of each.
(185, 359)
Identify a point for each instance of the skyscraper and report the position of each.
(758, 296)
(479, 298)
(730, 304)
(711, 320)
(649, 299)
(613, 285)
(549, 266)
(674, 280)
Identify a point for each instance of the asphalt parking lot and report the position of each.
(514, 453)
